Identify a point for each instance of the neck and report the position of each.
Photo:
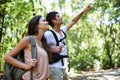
(39, 35)
(38, 40)
(57, 28)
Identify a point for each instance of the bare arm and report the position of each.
(9, 57)
(56, 50)
(77, 17)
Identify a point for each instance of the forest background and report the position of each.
(93, 43)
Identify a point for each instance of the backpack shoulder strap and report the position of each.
(34, 53)
(56, 38)
(33, 47)
(64, 35)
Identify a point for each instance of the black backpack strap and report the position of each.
(34, 52)
(56, 38)
(57, 42)
(64, 35)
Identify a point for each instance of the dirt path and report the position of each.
(112, 74)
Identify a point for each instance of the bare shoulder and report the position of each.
(23, 43)
(25, 40)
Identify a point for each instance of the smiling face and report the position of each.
(43, 24)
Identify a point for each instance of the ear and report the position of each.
(53, 20)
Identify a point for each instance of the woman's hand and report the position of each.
(31, 63)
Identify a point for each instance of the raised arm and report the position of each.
(77, 17)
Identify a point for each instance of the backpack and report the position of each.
(13, 73)
(55, 57)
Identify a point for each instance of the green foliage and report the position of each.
(105, 62)
(96, 36)
(14, 17)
